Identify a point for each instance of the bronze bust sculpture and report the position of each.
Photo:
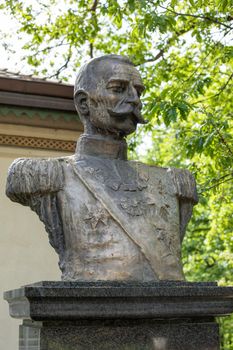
(108, 218)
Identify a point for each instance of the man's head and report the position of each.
(107, 96)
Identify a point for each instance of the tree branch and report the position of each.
(63, 67)
(153, 59)
(207, 18)
(166, 47)
(94, 6)
(218, 178)
(199, 65)
(222, 138)
(52, 47)
(91, 50)
(93, 14)
(203, 60)
(222, 88)
(215, 185)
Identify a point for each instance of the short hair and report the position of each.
(86, 77)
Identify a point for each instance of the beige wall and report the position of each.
(25, 254)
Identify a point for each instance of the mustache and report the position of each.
(124, 109)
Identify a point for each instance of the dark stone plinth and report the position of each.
(124, 316)
(120, 335)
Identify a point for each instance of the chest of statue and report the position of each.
(98, 190)
(117, 210)
(137, 190)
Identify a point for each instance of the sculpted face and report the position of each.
(114, 101)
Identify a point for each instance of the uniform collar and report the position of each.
(100, 146)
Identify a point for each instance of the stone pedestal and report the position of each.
(124, 316)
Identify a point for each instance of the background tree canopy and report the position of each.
(183, 51)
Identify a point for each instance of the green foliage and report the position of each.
(183, 50)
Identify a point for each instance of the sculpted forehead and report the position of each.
(117, 70)
(96, 74)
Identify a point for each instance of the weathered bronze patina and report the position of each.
(108, 218)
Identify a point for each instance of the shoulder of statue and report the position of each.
(185, 184)
(31, 176)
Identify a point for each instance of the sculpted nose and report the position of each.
(133, 95)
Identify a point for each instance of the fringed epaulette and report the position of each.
(185, 185)
(28, 177)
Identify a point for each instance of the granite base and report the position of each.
(118, 335)
(124, 316)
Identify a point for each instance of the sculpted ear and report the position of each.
(81, 102)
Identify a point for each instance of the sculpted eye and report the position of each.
(139, 93)
(118, 89)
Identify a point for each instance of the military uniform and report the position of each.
(108, 218)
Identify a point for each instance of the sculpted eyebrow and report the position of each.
(120, 80)
(117, 80)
